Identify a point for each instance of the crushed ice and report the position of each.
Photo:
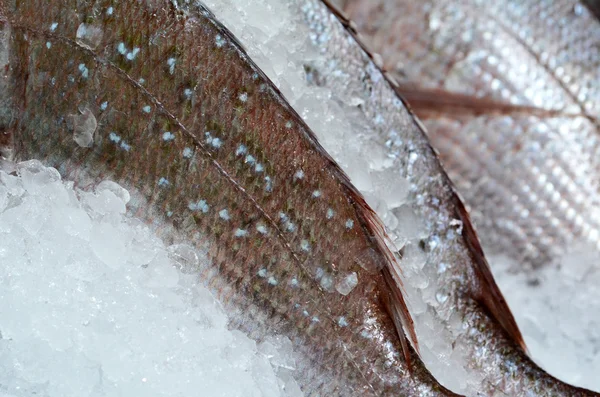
(92, 304)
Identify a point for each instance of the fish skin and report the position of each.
(180, 115)
(530, 179)
(488, 335)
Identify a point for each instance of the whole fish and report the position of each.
(167, 103)
(510, 97)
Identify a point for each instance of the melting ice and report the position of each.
(92, 304)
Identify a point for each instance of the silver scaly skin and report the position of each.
(531, 180)
(471, 315)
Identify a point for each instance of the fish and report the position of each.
(173, 105)
(462, 300)
(162, 98)
(520, 138)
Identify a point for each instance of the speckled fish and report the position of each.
(468, 313)
(167, 103)
(498, 85)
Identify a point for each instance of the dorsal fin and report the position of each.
(391, 271)
(487, 292)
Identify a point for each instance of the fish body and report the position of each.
(164, 100)
(529, 178)
(471, 319)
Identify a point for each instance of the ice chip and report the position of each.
(346, 283)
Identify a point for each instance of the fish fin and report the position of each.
(391, 271)
(487, 292)
(428, 103)
(395, 303)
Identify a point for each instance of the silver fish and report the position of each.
(456, 270)
(529, 171)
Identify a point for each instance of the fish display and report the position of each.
(509, 95)
(162, 98)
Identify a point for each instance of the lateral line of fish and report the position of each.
(434, 99)
(491, 298)
(355, 195)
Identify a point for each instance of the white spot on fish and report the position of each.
(241, 150)
(259, 167)
(131, 55)
(109, 11)
(84, 70)
(315, 319)
(288, 124)
(216, 143)
(250, 159)
(142, 80)
(241, 233)
(53, 26)
(269, 184)
(114, 137)
(299, 175)
(330, 213)
(169, 213)
(48, 45)
(262, 229)
(326, 282)
(320, 272)
(125, 146)
(122, 49)
(188, 93)
(342, 322)
(168, 136)
(201, 205)
(243, 97)
(304, 245)
(262, 272)
(272, 280)
(305, 313)
(219, 41)
(171, 62)
(146, 109)
(316, 194)
(187, 152)
(349, 224)
(103, 105)
(163, 182)
(294, 282)
(290, 227)
(224, 214)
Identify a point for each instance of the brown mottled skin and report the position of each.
(165, 126)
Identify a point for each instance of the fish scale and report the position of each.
(159, 140)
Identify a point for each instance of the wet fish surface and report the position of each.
(177, 111)
(462, 300)
(529, 177)
(166, 102)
